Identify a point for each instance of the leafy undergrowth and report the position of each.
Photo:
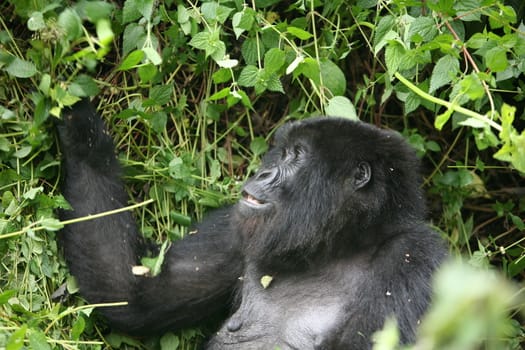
(192, 92)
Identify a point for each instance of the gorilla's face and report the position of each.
(305, 189)
(272, 185)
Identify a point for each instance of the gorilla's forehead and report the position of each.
(332, 132)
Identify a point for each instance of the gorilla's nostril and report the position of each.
(234, 324)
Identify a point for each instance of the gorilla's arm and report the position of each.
(199, 272)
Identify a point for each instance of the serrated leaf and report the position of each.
(384, 33)
(468, 10)
(395, 53)
(273, 83)
(210, 42)
(248, 76)
(274, 59)
(158, 121)
(471, 86)
(161, 94)
(21, 69)
(423, 27)
(496, 59)
(444, 71)
(340, 106)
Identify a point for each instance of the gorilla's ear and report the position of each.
(362, 175)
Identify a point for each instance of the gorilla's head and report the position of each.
(326, 181)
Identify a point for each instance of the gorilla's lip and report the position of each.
(252, 200)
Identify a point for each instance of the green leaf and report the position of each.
(222, 75)
(210, 42)
(104, 33)
(152, 55)
(36, 21)
(31, 194)
(468, 10)
(22, 152)
(249, 76)
(78, 328)
(213, 12)
(134, 35)
(97, 10)
(496, 59)
(384, 33)
(51, 224)
(258, 146)
(21, 69)
(70, 23)
(38, 341)
(340, 106)
(274, 59)
(134, 58)
(83, 86)
(223, 93)
(444, 71)
(134, 9)
(299, 33)
(158, 121)
(423, 28)
(147, 72)
(273, 83)
(472, 86)
(6, 295)
(169, 341)
(161, 94)
(16, 340)
(395, 53)
(443, 118)
(333, 77)
(155, 264)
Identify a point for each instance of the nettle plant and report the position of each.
(443, 64)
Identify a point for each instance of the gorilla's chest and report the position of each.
(291, 313)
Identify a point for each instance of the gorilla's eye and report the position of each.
(292, 153)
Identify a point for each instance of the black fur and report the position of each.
(334, 218)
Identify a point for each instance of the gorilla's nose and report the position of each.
(234, 324)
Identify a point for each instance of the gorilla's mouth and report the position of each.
(250, 199)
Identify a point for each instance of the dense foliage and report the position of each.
(192, 91)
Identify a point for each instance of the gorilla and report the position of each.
(327, 241)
